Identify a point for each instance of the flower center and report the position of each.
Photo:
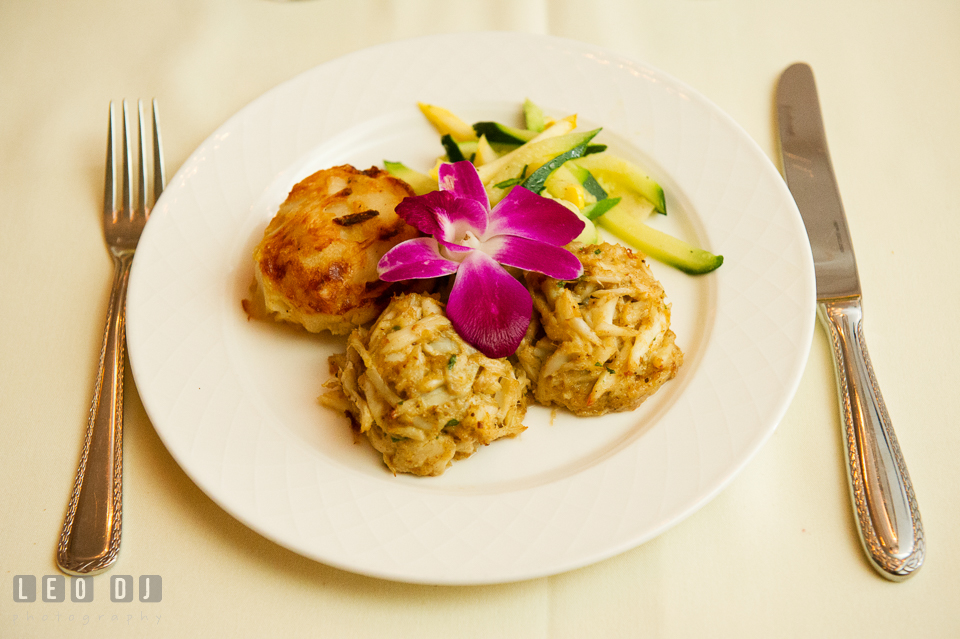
(471, 240)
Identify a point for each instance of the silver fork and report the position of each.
(90, 539)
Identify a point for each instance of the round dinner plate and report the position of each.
(235, 400)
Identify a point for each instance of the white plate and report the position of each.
(235, 400)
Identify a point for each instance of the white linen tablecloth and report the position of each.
(776, 554)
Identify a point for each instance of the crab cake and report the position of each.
(421, 395)
(317, 263)
(602, 343)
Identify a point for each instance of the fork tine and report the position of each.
(142, 174)
(110, 188)
(159, 179)
(127, 165)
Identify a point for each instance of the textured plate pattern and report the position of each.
(234, 401)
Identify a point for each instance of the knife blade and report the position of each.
(885, 505)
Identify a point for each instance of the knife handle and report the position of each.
(886, 509)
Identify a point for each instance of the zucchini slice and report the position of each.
(614, 170)
(533, 116)
(659, 245)
(536, 180)
(419, 182)
(532, 155)
(485, 153)
(600, 207)
(454, 154)
(498, 133)
(589, 182)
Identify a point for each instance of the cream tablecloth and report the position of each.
(774, 555)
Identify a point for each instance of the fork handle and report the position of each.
(888, 517)
(90, 539)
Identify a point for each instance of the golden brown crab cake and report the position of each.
(423, 396)
(317, 263)
(602, 343)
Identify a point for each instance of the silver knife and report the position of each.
(884, 503)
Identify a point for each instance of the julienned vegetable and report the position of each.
(497, 132)
(533, 116)
(659, 245)
(551, 158)
(447, 123)
(599, 208)
(590, 184)
(536, 181)
(419, 182)
(619, 173)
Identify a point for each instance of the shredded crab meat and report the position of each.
(603, 342)
(421, 395)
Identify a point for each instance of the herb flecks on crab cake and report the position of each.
(317, 262)
(422, 395)
(601, 343)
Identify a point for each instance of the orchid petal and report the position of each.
(488, 307)
(414, 259)
(525, 214)
(530, 255)
(454, 248)
(443, 214)
(462, 179)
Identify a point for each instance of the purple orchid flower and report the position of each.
(488, 307)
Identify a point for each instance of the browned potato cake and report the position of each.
(317, 263)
